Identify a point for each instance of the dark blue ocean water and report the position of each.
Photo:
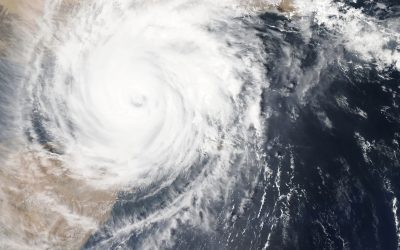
(332, 148)
(332, 151)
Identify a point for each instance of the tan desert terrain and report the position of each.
(41, 205)
(262, 5)
(40, 200)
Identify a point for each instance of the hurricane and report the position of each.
(199, 124)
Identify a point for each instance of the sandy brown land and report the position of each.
(42, 205)
(262, 5)
(21, 17)
(28, 9)
(31, 8)
(286, 6)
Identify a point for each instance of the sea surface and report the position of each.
(186, 124)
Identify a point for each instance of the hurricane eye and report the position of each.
(138, 101)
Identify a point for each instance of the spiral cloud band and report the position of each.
(149, 91)
(134, 124)
(134, 97)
